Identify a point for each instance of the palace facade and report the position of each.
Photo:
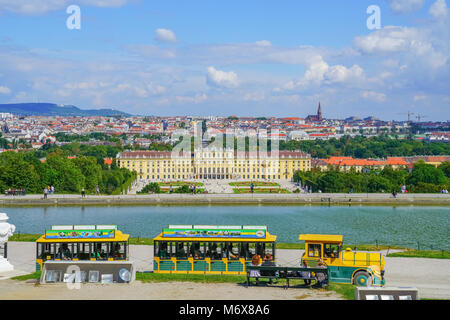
(214, 164)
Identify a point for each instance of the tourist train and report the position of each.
(206, 249)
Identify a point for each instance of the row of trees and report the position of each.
(67, 175)
(358, 147)
(424, 178)
(363, 147)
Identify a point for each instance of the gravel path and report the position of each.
(430, 276)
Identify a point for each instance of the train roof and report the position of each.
(83, 233)
(321, 237)
(215, 233)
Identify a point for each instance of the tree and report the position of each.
(445, 168)
(64, 175)
(331, 181)
(16, 173)
(151, 187)
(91, 171)
(426, 173)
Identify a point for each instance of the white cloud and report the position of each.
(156, 90)
(218, 78)
(418, 98)
(33, 7)
(254, 96)
(406, 6)
(4, 90)
(165, 35)
(340, 74)
(386, 40)
(412, 42)
(152, 51)
(375, 96)
(198, 98)
(263, 43)
(439, 9)
(319, 71)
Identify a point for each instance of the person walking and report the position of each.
(83, 193)
(97, 190)
(52, 188)
(45, 192)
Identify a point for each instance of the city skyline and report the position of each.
(254, 59)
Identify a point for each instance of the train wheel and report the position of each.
(362, 279)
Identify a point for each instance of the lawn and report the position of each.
(433, 254)
(24, 237)
(179, 183)
(260, 190)
(167, 190)
(256, 184)
(35, 275)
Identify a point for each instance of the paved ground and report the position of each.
(221, 197)
(430, 276)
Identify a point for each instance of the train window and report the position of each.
(197, 250)
(214, 250)
(181, 250)
(260, 248)
(117, 250)
(331, 250)
(233, 250)
(162, 250)
(173, 249)
(269, 249)
(96, 250)
(314, 250)
(245, 251)
(105, 251)
(252, 249)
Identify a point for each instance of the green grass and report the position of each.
(260, 190)
(24, 237)
(35, 275)
(370, 247)
(256, 184)
(141, 241)
(213, 278)
(433, 254)
(346, 290)
(296, 246)
(179, 184)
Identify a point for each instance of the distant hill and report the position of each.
(51, 109)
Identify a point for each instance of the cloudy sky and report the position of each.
(245, 58)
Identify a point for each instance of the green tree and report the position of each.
(91, 171)
(426, 173)
(445, 168)
(64, 175)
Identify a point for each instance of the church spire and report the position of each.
(319, 113)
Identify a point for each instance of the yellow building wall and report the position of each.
(230, 168)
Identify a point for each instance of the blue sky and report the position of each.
(249, 58)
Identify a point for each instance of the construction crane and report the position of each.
(420, 116)
(409, 116)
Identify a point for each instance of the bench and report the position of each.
(285, 273)
(264, 271)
